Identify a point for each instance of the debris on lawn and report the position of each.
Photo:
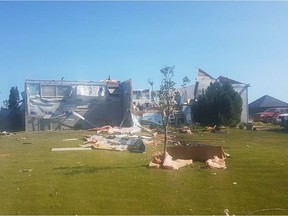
(211, 129)
(185, 130)
(107, 129)
(216, 129)
(168, 163)
(113, 138)
(227, 155)
(213, 156)
(128, 139)
(216, 163)
(26, 170)
(71, 149)
(264, 210)
(276, 162)
(72, 139)
(226, 212)
(123, 142)
(118, 138)
(4, 133)
(196, 152)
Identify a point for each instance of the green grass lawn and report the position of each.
(35, 180)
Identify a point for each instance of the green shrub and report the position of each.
(220, 104)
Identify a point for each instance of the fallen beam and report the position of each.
(71, 149)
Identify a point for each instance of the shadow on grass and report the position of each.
(75, 170)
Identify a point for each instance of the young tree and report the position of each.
(219, 105)
(166, 98)
(13, 98)
(14, 118)
(185, 81)
(5, 104)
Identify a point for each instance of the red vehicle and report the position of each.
(268, 115)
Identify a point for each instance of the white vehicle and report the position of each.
(280, 119)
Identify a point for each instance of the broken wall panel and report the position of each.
(126, 102)
(196, 152)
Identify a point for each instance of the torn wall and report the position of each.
(52, 105)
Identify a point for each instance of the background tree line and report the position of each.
(11, 117)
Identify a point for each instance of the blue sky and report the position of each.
(245, 41)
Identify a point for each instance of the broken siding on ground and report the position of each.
(50, 104)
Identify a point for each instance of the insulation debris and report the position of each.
(216, 163)
(107, 129)
(168, 163)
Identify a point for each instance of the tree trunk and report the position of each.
(165, 127)
(165, 140)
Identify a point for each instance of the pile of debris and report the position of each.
(4, 133)
(107, 129)
(132, 143)
(213, 156)
(130, 139)
(113, 138)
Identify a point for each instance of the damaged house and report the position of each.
(53, 105)
(203, 80)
